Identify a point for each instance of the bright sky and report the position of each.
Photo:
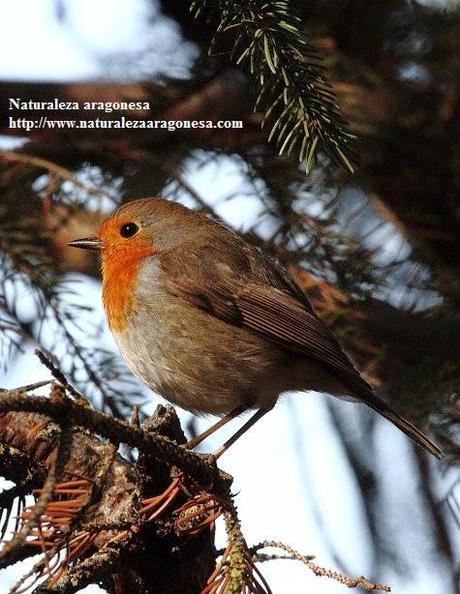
(36, 46)
(290, 471)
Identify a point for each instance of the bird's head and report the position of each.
(145, 226)
(135, 231)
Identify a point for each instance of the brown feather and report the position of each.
(237, 284)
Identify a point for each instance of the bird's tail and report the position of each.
(380, 406)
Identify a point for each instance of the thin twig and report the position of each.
(46, 360)
(62, 172)
(322, 571)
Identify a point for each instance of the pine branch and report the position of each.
(29, 267)
(148, 525)
(293, 90)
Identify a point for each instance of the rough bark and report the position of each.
(127, 554)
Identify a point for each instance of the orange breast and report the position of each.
(120, 268)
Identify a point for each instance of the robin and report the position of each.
(210, 323)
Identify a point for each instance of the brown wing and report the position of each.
(237, 284)
(282, 318)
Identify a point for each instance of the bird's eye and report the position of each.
(128, 230)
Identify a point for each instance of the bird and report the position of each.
(212, 324)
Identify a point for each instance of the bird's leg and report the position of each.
(220, 423)
(249, 423)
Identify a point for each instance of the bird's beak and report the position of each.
(87, 243)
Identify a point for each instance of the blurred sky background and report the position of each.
(292, 455)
